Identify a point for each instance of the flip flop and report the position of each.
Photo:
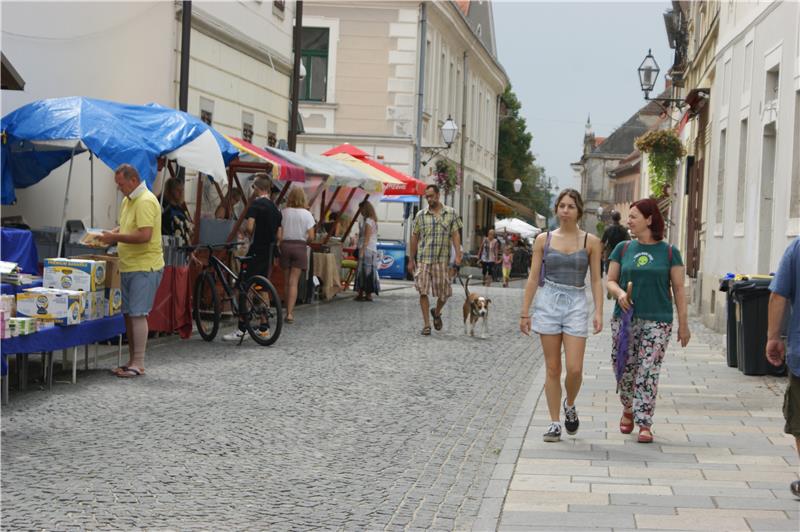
(130, 373)
(289, 320)
(437, 320)
(117, 371)
(426, 331)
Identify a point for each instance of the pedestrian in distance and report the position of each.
(612, 236)
(435, 232)
(294, 235)
(508, 258)
(656, 271)
(141, 262)
(785, 288)
(488, 254)
(175, 218)
(367, 282)
(556, 286)
(261, 224)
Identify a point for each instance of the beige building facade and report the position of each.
(371, 57)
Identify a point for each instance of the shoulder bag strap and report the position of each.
(544, 254)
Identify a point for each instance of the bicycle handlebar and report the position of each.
(224, 245)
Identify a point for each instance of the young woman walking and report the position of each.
(488, 255)
(294, 235)
(367, 282)
(656, 272)
(560, 315)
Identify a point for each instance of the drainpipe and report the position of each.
(463, 155)
(298, 43)
(423, 44)
(186, 33)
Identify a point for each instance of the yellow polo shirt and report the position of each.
(140, 209)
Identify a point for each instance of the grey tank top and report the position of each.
(567, 268)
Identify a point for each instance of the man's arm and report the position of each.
(412, 252)
(140, 236)
(456, 237)
(776, 349)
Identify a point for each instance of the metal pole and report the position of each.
(66, 199)
(423, 43)
(186, 33)
(298, 44)
(470, 225)
(91, 179)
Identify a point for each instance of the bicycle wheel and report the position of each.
(263, 314)
(206, 306)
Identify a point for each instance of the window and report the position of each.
(314, 56)
(721, 177)
(748, 66)
(772, 85)
(280, 5)
(742, 182)
(451, 82)
(272, 134)
(207, 110)
(247, 126)
(442, 88)
(726, 83)
(794, 202)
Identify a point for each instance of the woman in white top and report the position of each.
(296, 231)
(368, 261)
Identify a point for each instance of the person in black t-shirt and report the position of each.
(261, 223)
(613, 236)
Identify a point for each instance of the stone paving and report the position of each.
(353, 421)
(720, 460)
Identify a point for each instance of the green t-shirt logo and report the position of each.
(643, 259)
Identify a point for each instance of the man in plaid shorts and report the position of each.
(435, 229)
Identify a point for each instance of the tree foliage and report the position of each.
(515, 160)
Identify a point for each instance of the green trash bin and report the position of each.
(751, 297)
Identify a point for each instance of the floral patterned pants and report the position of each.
(638, 387)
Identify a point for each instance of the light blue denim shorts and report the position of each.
(560, 308)
(139, 291)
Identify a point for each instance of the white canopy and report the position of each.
(517, 226)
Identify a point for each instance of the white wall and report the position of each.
(120, 51)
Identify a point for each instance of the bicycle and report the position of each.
(257, 305)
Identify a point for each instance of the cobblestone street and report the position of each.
(353, 421)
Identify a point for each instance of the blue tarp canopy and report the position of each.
(39, 137)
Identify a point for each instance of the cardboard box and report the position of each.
(94, 305)
(113, 301)
(74, 274)
(62, 306)
(8, 303)
(112, 268)
(43, 325)
(22, 326)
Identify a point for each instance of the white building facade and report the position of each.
(753, 195)
(239, 77)
(362, 86)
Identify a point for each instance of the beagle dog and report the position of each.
(475, 307)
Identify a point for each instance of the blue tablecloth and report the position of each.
(11, 289)
(65, 337)
(18, 246)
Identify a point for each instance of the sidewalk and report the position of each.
(720, 460)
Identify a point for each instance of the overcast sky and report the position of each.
(567, 60)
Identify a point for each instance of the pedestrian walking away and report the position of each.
(612, 236)
(785, 288)
(656, 271)
(141, 262)
(489, 254)
(367, 282)
(262, 222)
(556, 286)
(435, 233)
(296, 231)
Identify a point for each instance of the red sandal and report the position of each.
(645, 435)
(626, 427)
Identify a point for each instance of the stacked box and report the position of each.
(113, 301)
(5, 316)
(8, 303)
(94, 305)
(21, 326)
(74, 274)
(64, 307)
(43, 325)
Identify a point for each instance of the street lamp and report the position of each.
(517, 185)
(648, 74)
(449, 130)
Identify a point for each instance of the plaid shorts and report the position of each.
(434, 278)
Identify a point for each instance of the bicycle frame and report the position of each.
(223, 273)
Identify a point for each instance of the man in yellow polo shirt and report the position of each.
(141, 261)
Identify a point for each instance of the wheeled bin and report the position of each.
(751, 297)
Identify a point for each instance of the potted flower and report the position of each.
(663, 148)
(446, 176)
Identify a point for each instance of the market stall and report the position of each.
(43, 135)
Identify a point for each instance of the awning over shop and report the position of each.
(9, 77)
(341, 174)
(504, 205)
(408, 186)
(282, 170)
(362, 166)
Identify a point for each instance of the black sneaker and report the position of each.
(553, 433)
(571, 422)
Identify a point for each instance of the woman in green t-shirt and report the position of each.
(656, 272)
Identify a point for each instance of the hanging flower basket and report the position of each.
(446, 176)
(663, 148)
